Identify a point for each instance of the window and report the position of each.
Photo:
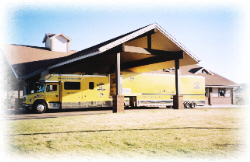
(91, 85)
(72, 85)
(50, 88)
(40, 87)
(221, 92)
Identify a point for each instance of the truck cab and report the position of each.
(45, 96)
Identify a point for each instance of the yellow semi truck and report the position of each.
(62, 91)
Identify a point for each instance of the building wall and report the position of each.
(215, 99)
(215, 92)
(222, 100)
(60, 44)
(48, 43)
(228, 92)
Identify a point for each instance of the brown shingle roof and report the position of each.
(28, 59)
(210, 80)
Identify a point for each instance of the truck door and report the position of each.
(52, 92)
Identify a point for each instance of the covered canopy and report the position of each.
(145, 49)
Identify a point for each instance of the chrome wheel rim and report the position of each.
(40, 108)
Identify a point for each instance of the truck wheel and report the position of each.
(192, 105)
(40, 107)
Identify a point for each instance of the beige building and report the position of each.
(218, 89)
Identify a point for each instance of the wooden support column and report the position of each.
(118, 99)
(233, 96)
(210, 98)
(177, 98)
(17, 100)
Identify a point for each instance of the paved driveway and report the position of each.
(20, 115)
(90, 111)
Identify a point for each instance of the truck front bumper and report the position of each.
(27, 107)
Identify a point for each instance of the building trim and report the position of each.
(61, 35)
(223, 86)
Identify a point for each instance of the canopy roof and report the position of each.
(160, 40)
(133, 46)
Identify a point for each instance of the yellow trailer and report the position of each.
(147, 89)
(62, 91)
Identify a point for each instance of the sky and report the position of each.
(212, 32)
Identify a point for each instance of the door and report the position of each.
(52, 92)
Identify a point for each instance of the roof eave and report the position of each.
(61, 35)
(222, 86)
(75, 59)
(142, 31)
(181, 46)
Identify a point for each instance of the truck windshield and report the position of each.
(40, 88)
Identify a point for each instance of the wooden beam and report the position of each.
(149, 41)
(161, 53)
(132, 49)
(151, 60)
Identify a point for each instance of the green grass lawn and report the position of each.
(156, 133)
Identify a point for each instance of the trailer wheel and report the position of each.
(192, 105)
(186, 104)
(40, 107)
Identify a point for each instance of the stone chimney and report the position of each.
(57, 42)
